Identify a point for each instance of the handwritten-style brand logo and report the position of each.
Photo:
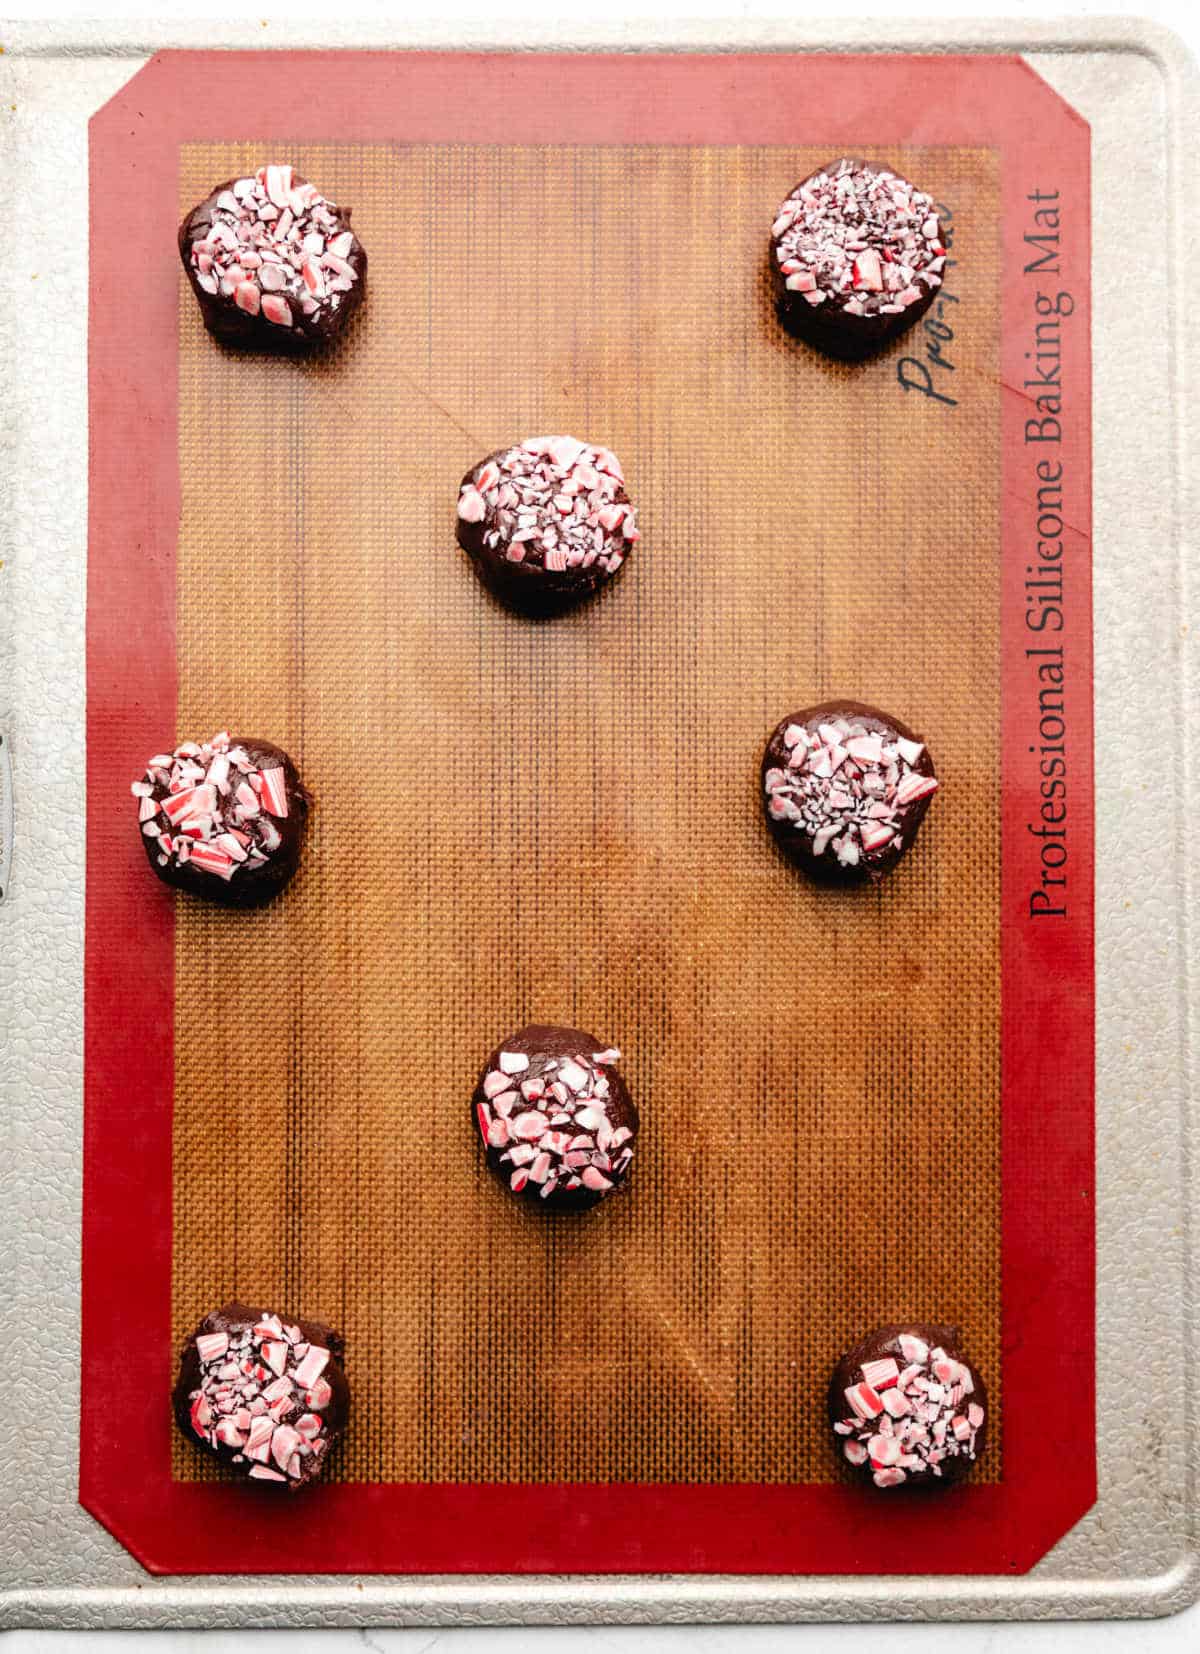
(928, 373)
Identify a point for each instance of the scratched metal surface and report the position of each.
(6, 814)
(1136, 1552)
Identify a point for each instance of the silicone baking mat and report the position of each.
(518, 821)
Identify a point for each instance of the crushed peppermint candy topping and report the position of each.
(849, 788)
(210, 806)
(553, 503)
(549, 1121)
(276, 247)
(860, 239)
(262, 1393)
(906, 1422)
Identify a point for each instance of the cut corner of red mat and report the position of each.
(851, 102)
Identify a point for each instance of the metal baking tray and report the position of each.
(1136, 1552)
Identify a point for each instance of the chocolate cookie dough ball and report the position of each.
(844, 790)
(907, 1408)
(265, 1392)
(857, 256)
(547, 522)
(273, 263)
(224, 819)
(557, 1123)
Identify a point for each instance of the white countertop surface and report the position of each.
(1171, 1636)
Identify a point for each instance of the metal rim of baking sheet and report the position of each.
(1136, 1552)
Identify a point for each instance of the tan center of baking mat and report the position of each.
(561, 822)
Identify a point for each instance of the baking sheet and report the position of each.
(680, 1597)
(177, 1012)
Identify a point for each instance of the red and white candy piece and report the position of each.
(880, 1374)
(574, 1076)
(913, 1349)
(913, 787)
(866, 749)
(275, 1355)
(884, 1451)
(191, 801)
(213, 861)
(258, 1440)
(864, 1401)
(868, 272)
(284, 1443)
(319, 1395)
(875, 837)
(211, 1346)
(471, 507)
(278, 183)
(274, 791)
(313, 1365)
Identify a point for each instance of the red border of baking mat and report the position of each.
(845, 103)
